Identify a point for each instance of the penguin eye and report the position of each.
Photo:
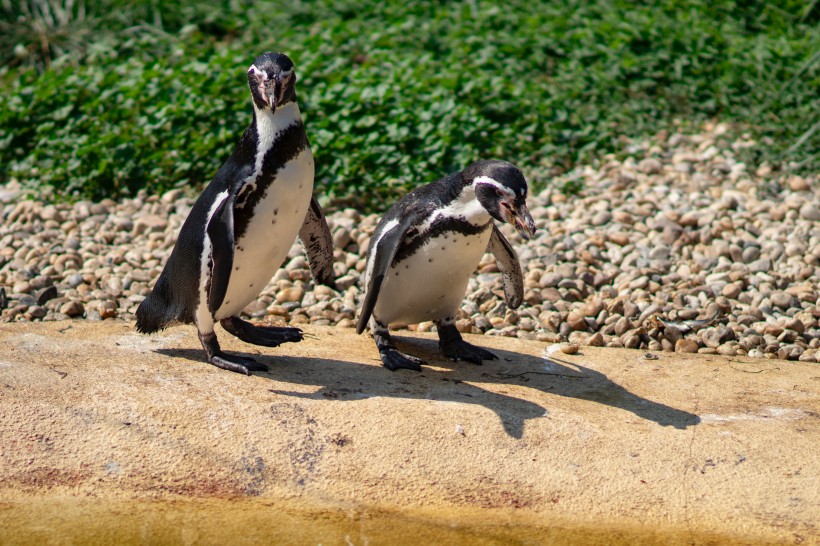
(499, 193)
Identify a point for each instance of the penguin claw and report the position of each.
(238, 364)
(461, 350)
(267, 336)
(393, 359)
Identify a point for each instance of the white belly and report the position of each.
(274, 225)
(431, 283)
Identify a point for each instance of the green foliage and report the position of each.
(395, 94)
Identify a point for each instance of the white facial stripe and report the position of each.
(465, 206)
(269, 126)
(508, 193)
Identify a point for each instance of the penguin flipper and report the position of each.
(381, 253)
(508, 264)
(318, 243)
(220, 232)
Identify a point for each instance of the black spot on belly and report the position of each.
(275, 212)
(442, 226)
(430, 260)
(289, 144)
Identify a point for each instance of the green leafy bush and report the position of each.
(396, 94)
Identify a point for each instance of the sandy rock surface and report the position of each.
(106, 433)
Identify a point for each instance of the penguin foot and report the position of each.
(267, 336)
(393, 359)
(233, 363)
(238, 364)
(458, 349)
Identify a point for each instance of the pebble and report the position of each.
(570, 348)
(674, 232)
(686, 346)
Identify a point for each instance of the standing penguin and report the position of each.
(241, 228)
(429, 243)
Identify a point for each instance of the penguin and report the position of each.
(427, 245)
(242, 226)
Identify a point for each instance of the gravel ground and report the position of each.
(686, 251)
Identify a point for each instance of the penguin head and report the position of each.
(272, 81)
(501, 189)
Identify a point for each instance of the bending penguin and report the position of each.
(425, 248)
(241, 228)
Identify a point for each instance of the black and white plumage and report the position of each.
(425, 248)
(241, 228)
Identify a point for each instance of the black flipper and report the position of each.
(221, 234)
(507, 261)
(379, 258)
(318, 243)
(267, 336)
(455, 348)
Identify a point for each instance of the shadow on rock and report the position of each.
(446, 381)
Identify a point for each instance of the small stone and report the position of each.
(686, 346)
(650, 165)
(619, 238)
(72, 309)
(346, 281)
(782, 300)
(732, 290)
(256, 309)
(750, 254)
(576, 321)
(595, 340)
(46, 294)
(569, 348)
(294, 293)
(714, 337)
(809, 355)
(150, 223)
(726, 350)
(763, 265)
(810, 211)
(37, 312)
(346, 323)
(601, 218)
(798, 183)
(22, 287)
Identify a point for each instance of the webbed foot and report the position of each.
(233, 363)
(238, 364)
(268, 336)
(393, 359)
(455, 348)
(461, 350)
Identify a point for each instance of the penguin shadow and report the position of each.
(445, 381)
(557, 376)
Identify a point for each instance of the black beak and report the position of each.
(278, 88)
(522, 221)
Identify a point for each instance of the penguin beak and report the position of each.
(272, 91)
(520, 218)
(278, 88)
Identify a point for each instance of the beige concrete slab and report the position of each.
(107, 435)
